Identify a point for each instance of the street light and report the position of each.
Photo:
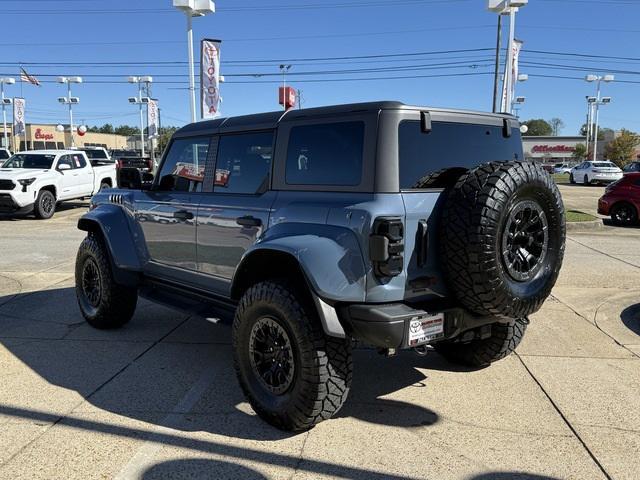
(69, 100)
(5, 102)
(505, 7)
(193, 8)
(595, 102)
(140, 101)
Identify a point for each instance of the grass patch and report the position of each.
(576, 216)
(561, 177)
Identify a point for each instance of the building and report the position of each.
(549, 149)
(41, 136)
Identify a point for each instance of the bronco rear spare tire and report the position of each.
(502, 238)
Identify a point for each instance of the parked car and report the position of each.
(36, 181)
(631, 167)
(398, 226)
(4, 154)
(97, 155)
(621, 200)
(562, 168)
(589, 173)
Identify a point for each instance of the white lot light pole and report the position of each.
(5, 102)
(69, 100)
(599, 101)
(508, 7)
(140, 100)
(193, 8)
(590, 102)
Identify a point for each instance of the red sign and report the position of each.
(40, 135)
(553, 149)
(287, 97)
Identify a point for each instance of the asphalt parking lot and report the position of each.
(159, 399)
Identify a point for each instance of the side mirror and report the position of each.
(64, 166)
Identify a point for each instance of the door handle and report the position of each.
(249, 221)
(183, 215)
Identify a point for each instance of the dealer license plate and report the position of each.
(425, 329)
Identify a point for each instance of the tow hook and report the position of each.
(423, 350)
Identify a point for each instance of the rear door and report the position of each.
(232, 217)
(167, 213)
(84, 175)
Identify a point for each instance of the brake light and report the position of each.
(119, 163)
(386, 246)
(150, 163)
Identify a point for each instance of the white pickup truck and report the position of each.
(38, 180)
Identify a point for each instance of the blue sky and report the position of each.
(134, 31)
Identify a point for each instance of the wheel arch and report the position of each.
(50, 188)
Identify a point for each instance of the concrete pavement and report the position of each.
(159, 399)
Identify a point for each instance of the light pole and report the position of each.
(590, 103)
(599, 101)
(193, 8)
(140, 100)
(69, 100)
(5, 102)
(506, 7)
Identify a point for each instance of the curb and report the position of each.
(588, 226)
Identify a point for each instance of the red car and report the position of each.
(621, 200)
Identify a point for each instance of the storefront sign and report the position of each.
(552, 149)
(40, 135)
(210, 78)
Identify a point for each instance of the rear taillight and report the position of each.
(119, 163)
(150, 163)
(386, 246)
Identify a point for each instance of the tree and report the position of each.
(538, 127)
(622, 149)
(106, 128)
(580, 153)
(127, 130)
(602, 131)
(556, 125)
(165, 134)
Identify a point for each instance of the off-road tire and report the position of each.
(504, 339)
(476, 213)
(116, 303)
(45, 205)
(104, 186)
(323, 366)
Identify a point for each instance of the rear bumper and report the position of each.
(387, 325)
(606, 178)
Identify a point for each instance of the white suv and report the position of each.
(588, 173)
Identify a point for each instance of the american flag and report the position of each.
(25, 77)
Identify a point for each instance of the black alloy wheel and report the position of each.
(624, 214)
(525, 240)
(91, 283)
(271, 355)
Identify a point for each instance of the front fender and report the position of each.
(329, 256)
(111, 221)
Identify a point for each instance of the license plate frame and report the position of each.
(425, 329)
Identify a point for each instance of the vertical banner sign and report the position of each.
(18, 116)
(210, 78)
(517, 47)
(152, 118)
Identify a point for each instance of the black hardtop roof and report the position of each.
(272, 119)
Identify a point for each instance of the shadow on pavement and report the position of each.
(143, 370)
(630, 317)
(60, 208)
(200, 468)
(511, 476)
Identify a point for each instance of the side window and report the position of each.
(243, 164)
(183, 167)
(78, 161)
(65, 160)
(327, 154)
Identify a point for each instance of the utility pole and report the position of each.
(5, 102)
(496, 73)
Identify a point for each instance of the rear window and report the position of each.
(603, 164)
(325, 154)
(95, 154)
(451, 145)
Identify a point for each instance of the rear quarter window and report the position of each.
(451, 146)
(325, 154)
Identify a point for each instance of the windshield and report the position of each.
(30, 160)
(96, 154)
(604, 165)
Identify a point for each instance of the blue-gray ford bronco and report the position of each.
(396, 226)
